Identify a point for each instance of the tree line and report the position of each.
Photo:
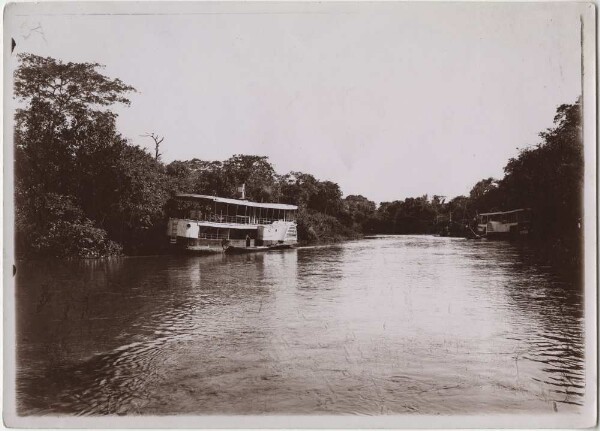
(546, 178)
(81, 189)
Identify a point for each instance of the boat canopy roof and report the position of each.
(237, 201)
(505, 212)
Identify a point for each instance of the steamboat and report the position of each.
(507, 224)
(211, 224)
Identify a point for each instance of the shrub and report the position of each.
(55, 226)
(316, 226)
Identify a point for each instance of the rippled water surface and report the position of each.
(388, 325)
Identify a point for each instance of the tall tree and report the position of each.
(298, 188)
(484, 195)
(69, 150)
(256, 172)
(361, 212)
(548, 177)
(61, 103)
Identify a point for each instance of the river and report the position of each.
(399, 324)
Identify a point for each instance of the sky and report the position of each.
(388, 100)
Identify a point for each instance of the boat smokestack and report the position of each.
(242, 190)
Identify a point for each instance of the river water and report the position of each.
(402, 324)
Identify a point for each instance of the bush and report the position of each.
(74, 239)
(319, 227)
(54, 225)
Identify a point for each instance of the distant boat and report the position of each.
(210, 224)
(507, 224)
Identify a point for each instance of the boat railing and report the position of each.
(220, 218)
(212, 236)
(235, 219)
(267, 220)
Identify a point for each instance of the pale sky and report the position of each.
(387, 100)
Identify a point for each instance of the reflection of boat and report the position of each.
(505, 224)
(239, 250)
(202, 249)
(210, 224)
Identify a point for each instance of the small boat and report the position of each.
(232, 249)
(202, 250)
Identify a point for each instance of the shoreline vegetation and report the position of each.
(82, 190)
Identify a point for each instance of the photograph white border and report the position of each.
(588, 416)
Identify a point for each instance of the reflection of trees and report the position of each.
(69, 311)
(93, 335)
(550, 309)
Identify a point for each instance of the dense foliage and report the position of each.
(70, 159)
(323, 216)
(547, 178)
(82, 190)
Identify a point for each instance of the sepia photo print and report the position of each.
(300, 214)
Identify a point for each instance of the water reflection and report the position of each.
(392, 325)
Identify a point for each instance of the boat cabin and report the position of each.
(506, 223)
(211, 222)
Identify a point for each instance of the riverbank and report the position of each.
(113, 197)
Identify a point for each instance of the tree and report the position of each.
(298, 188)
(157, 141)
(60, 229)
(460, 209)
(67, 145)
(483, 187)
(136, 214)
(256, 173)
(361, 212)
(199, 176)
(62, 103)
(327, 199)
(484, 195)
(548, 177)
(410, 216)
(181, 176)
